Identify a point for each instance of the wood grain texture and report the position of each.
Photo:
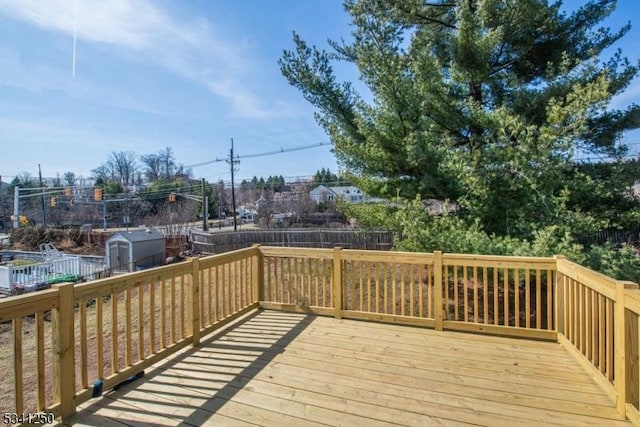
(274, 368)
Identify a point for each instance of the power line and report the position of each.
(266, 153)
(270, 153)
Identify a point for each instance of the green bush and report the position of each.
(622, 263)
(417, 231)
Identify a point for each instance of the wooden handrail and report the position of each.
(595, 316)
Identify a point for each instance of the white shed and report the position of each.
(135, 250)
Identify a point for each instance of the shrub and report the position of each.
(622, 263)
(32, 236)
(417, 231)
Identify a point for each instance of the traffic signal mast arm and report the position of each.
(35, 193)
(172, 197)
(205, 204)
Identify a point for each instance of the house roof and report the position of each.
(338, 191)
(346, 189)
(138, 235)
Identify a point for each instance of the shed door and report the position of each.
(119, 256)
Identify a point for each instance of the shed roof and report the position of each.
(138, 235)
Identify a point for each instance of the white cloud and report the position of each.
(41, 76)
(189, 49)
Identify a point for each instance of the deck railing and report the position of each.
(73, 342)
(104, 332)
(598, 318)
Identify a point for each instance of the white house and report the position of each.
(349, 193)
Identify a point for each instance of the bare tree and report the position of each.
(265, 209)
(161, 165)
(25, 179)
(174, 218)
(302, 205)
(69, 178)
(153, 166)
(167, 162)
(57, 181)
(101, 173)
(222, 197)
(121, 168)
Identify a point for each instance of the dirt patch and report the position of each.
(129, 347)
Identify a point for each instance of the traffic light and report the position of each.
(172, 197)
(97, 194)
(67, 191)
(53, 201)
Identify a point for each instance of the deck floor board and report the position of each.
(281, 369)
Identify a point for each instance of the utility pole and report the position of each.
(232, 162)
(220, 206)
(104, 215)
(205, 209)
(16, 207)
(44, 206)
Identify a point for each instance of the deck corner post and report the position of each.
(625, 351)
(438, 290)
(195, 301)
(559, 314)
(62, 322)
(337, 282)
(631, 338)
(258, 274)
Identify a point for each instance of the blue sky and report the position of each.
(189, 75)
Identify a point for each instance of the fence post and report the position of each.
(438, 287)
(337, 282)
(559, 308)
(195, 301)
(258, 275)
(62, 319)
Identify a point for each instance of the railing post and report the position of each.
(631, 350)
(619, 350)
(337, 282)
(437, 291)
(625, 352)
(64, 381)
(258, 275)
(195, 301)
(559, 306)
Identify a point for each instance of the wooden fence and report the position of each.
(629, 235)
(203, 242)
(106, 331)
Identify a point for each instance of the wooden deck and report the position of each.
(279, 369)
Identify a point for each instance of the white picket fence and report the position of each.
(31, 277)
